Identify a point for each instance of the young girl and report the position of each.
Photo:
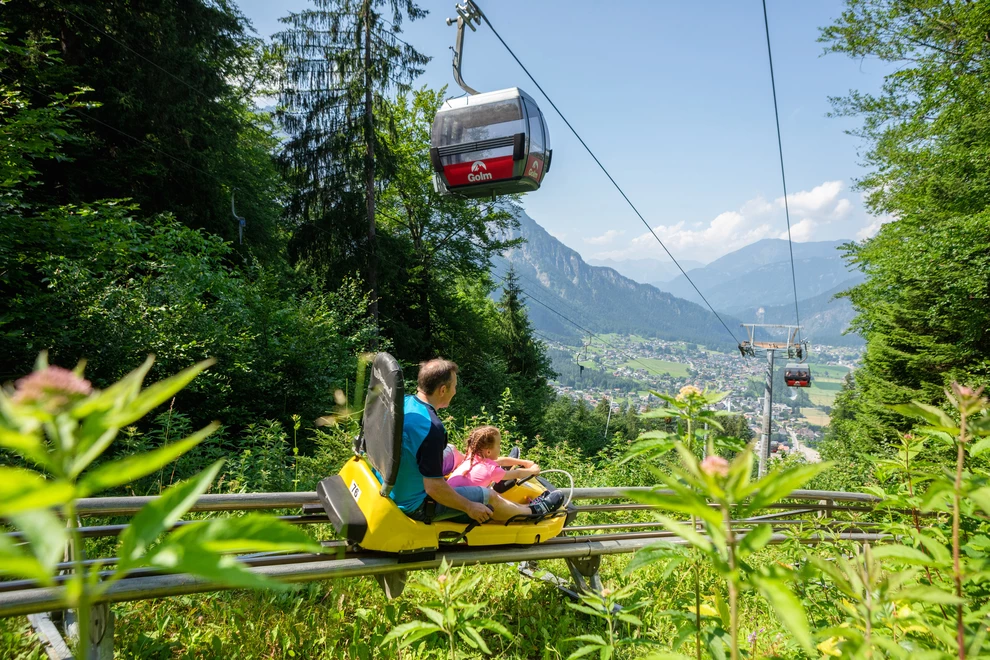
(482, 466)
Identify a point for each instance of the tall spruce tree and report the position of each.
(340, 62)
(529, 366)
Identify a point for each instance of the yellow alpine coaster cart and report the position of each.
(358, 504)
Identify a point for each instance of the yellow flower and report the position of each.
(829, 647)
(705, 610)
(688, 391)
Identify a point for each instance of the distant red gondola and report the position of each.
(797, 375)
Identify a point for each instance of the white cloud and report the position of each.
(870, 230)
(606, 238)
(842, 208)
(802, 231)
(825, 214)
(817, 199)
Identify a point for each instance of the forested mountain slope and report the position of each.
(600, 298)
(760, 274)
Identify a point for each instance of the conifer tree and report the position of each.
(528, 365)
(340, 62)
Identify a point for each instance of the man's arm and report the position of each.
(442, 493)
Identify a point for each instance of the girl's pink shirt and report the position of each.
(476, 472)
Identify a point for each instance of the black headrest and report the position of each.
(381, 432)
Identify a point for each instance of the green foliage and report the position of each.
(615, 608)
(169, 120)
(924, 306)
(113, 286)
(56, 420)
(448, 614)
(713, 492)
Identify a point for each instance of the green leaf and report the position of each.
(117, 395)
(583, 651)
(431, 614)
(219, 569)
(250, 533)
(981, 497)
(755, 540)
(410, 632)
(473, 634)
(157, 394)
(778, 485)
(25, 490)
(788, 609)
(902, 553)
(931, 595)
(160, 514)
(17, 563)
(648, 447)
(629, 618)
(651, 554)
(584, 609)
(936, 417)
(27, 445)
(47, 535)
(589, 639)
(494, 626)
(686, 533)
(682, 500)
(132, 468)
(980, 447)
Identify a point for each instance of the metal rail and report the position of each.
(30, 601)
(111, 506)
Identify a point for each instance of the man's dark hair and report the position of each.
(434, 373)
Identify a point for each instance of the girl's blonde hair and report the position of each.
(483, 437)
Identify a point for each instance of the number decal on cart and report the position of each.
(355, 491)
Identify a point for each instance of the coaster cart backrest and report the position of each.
(357, 498)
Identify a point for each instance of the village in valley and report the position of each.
(638, 366)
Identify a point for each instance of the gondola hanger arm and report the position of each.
(467, 14)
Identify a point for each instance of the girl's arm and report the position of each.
(522, 473)
(506, 462)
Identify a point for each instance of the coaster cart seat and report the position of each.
(357, 502)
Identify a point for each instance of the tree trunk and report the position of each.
(369, 172)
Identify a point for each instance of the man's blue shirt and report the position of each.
(423, 441)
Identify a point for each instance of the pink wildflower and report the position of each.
(715, 466)
(52, 388)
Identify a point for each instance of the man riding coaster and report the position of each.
(420, 490)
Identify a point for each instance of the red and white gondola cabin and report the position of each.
(797, 375)
(485, 145)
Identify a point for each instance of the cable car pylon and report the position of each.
(796, 374)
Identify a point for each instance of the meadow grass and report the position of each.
(349, 618)
(815, 416)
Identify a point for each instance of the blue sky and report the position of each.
(675, 99)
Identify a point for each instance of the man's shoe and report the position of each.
(547, 502)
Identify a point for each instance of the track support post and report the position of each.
(101, 625)
(584, 573)
(393, 584)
